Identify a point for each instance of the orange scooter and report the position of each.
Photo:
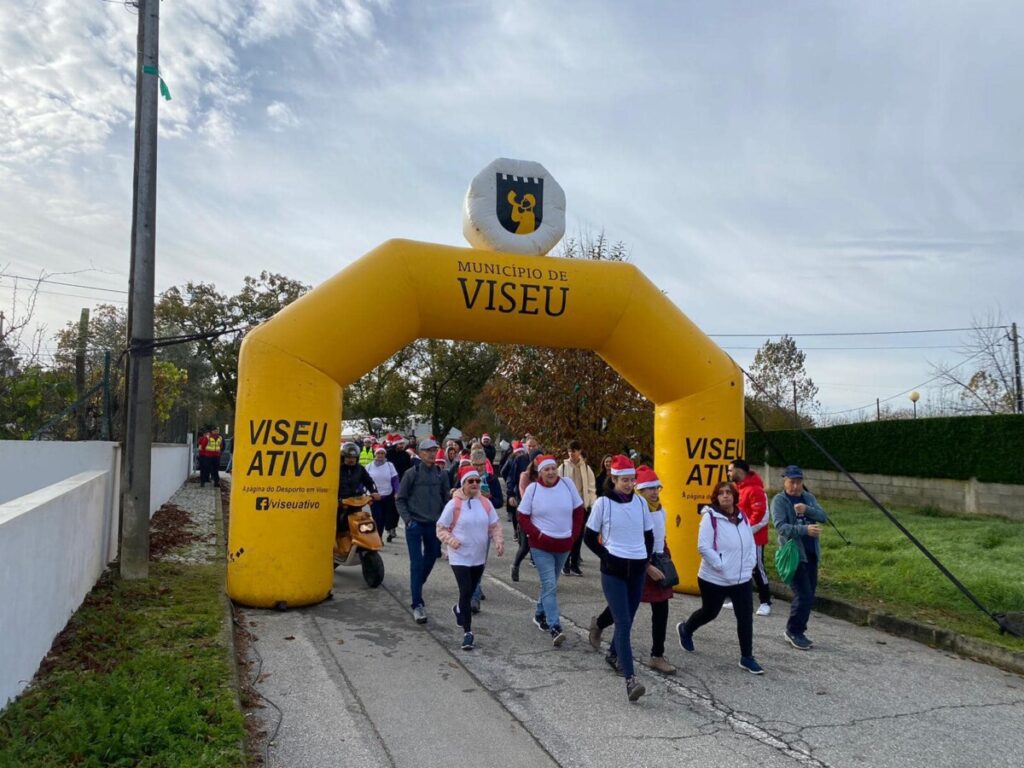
(358, 542)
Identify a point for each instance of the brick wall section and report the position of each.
(968, 496)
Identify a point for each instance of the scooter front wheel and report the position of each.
(373, 568)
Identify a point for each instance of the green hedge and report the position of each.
(990, 448)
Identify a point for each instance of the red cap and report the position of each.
(546, 461)
(622, 465)
(646, 478)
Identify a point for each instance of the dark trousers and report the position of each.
(467, 577)
(524, 549)
(573, 563)
(659, 626)
(711, 598)
(623, 596)
(764, 592)
(385, 513)
(805, 584)
(209, 469)
(424, 549)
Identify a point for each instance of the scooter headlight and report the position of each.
(366, 527)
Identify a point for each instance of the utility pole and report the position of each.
(878, 409)
(83, 334)
(796, 413)
(138, 436)
(1016, 367)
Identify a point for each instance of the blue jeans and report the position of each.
(623, 596)
(805, 584)
(424, 549)
(549, 568)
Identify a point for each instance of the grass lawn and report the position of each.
(884, 571)
(140, 677)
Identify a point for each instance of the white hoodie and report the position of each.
(736, 555)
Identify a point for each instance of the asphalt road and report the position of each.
(359, 683)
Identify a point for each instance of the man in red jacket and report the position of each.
(754, 506)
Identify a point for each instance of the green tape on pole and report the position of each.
(164, 90)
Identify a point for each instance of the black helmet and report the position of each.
(350, 450)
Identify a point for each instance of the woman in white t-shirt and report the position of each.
(620, 532)
(466, 525)
(551, 515)
(385, 477)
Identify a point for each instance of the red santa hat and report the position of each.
(622, 466)
(546, 461)
(485, 436)
(517, 446)
(646, 478)
(468, 473)
(379, 449)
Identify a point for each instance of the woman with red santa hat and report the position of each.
(467, 524)
(620, 532)
(551, 515)
(649, 486)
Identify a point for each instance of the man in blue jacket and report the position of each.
(796, 514)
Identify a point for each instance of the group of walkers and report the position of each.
(451, 497)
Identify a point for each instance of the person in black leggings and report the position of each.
(728, 554)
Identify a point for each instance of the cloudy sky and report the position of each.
(787, 167)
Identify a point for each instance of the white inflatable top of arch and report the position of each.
(514, 206)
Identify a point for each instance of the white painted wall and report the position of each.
(29, 465)
(52, 551)
(58, 531)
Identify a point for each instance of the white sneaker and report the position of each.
(727, 604)
(765, 609)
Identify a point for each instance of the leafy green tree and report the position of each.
(446, 378)
(780, 388)
(199, 308)
(386, 393)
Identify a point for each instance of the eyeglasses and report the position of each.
(473, 482)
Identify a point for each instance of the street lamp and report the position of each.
(914, 397)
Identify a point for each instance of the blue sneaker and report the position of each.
(799, 642)
(750, 664)
(467, 641)
(458, 616)
(685, 638)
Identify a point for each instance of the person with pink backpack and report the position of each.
(467, 524)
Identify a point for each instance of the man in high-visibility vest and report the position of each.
(366, 455)
(211, 444)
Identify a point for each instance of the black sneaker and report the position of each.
(458, 617)
(612, 661)
(557, 636)
(634, 689)
(515, 573)
(474, 605)
(575, 571)
(467, 641)
(542, 623)
(685, 638)
(566, 571)
(799, 642)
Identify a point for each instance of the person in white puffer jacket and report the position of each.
(728, 555)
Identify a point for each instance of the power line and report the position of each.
(911, 389)
(855, 333)
(72, 295)
(58, 282)
(926, 346)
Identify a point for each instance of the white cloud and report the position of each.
(280, 117)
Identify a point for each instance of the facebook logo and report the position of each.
(262, 503)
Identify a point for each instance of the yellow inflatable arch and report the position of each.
(292, 370)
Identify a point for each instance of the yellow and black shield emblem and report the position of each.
(520, 203)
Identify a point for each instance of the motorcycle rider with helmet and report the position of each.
(353, 481)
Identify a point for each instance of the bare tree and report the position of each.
(982, 382)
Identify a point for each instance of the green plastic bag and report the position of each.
(787, 558)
